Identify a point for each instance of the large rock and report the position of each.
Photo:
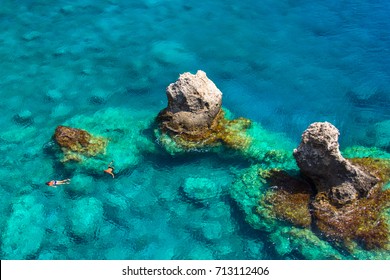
(76, 141)
(319, 158)
(194, 118)
(193, 104)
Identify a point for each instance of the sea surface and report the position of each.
(104, 65)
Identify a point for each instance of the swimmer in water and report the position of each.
(110, 169)
(55, 183)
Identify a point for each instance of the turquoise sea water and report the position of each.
(104, 66)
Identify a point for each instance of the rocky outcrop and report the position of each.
(74, 142)
(193, 104)
(311, 198)
(72, 138)
(319, 158)
(194, 117)
(350, 202)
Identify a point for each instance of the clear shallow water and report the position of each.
(283, 64)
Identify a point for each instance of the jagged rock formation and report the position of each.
(75, 142)
(193, 104)
(194, 117)
(319, 158)
(350, 202)
(273, 195)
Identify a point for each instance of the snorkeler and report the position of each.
(110, 169)
(55, 183)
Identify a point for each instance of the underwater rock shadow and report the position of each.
(378, 96)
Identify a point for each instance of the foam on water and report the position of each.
(104, 66)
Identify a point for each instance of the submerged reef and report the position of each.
(86, 216)
(201, 190)
(194, 117)
(295, 207)
(382, 135)
(24, 232)
(76, 143)
(122, 138)
(254, 193)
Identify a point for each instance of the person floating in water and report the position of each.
(110, 169)
(55, 183)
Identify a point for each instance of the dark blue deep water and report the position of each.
(103, 65)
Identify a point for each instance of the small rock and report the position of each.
(69, 137)
(79, 141)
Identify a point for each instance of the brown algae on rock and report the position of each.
(363, 221)
(231, 133)
(288, 198)
(76, 143)
(378, 167)
(115, 134)
(250, 191)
